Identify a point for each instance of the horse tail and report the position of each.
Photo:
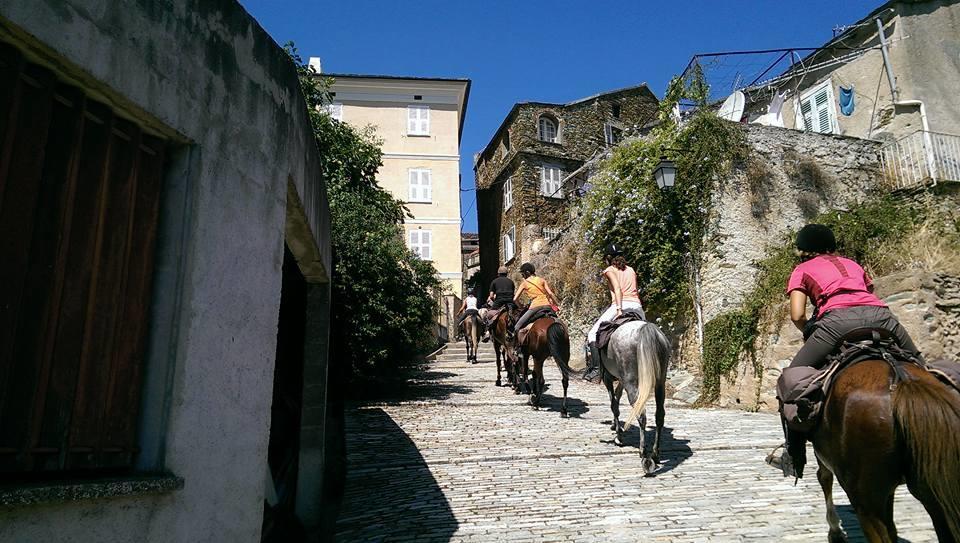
(653, 355)
(928, 417)
(559, 344)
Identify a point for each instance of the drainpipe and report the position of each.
(927, 142)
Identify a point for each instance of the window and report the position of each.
(551, 233)
(508, 194)
(418, 120)
(79, 221)
(420, 243)
(508, 244)
(550, 178)
(816, 111)
(611, 134)
(615, 110)
(335, 110)
(420, 186)
(547, 130)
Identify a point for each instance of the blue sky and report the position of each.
(550, 51)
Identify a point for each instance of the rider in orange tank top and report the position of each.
(537, 290)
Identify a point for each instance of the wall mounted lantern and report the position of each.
(665, 174)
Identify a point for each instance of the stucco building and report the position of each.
(420, 121)
(164, 234)
(534, 163)
(891, 76)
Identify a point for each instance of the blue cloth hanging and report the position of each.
(846, 101)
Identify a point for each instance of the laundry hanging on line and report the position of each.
(847, 103)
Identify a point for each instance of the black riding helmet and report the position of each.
(528, 268)
(612, 250)
(816, 238)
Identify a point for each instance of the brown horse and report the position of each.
(547, 337)
(504, 342)
(875, 435)
(471, 327)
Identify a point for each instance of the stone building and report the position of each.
(420, 121)
(898, 86)
(165, 279)
(534, 164)
(470, 252)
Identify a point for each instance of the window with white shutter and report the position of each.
(547, 130)
(550, 177)
(508, 194)
(420, 186)
(508, 244)
(418, 120)
(420, 243)
(817, 111)
(611, 134)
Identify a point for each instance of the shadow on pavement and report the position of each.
(414, 384)
(850, 524)
(394, 499)
(673, 451)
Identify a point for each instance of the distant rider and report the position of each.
(622, 283)
(468, 307)
(842, 296)
(501, 294)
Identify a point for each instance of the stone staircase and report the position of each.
(456, 355)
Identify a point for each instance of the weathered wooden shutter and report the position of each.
(79, 203)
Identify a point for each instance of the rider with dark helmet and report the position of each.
(537, 290)
(501, 294)
(843, 300)
(468, 307)
(622, 283)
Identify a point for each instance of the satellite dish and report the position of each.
(732, 108)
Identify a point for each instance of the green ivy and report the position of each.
(663, 231)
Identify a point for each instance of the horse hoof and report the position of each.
(564, 414)
(837, 537)
(617, 441)
(498, 383)
(649, 467)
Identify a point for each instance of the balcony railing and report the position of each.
(922, 158)
(471, 261)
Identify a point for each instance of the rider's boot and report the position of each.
(794, 456)
(592, 373)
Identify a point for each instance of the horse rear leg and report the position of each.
(874, 506)
(649, 466)
(924, 494)
(615, 393)
(660, 393)
(825, 477)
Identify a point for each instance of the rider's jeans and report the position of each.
(836, 323)
(609, 315)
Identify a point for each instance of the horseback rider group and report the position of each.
(839, 289)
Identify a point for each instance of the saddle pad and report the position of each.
(608, 328)
(947, 371)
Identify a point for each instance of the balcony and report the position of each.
(922, 158)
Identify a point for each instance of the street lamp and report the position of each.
(665, 173)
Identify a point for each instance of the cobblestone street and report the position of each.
(459, 459)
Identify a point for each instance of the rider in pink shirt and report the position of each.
(842, 296)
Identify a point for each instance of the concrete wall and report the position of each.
(206, 74)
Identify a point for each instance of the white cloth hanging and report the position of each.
(774, 114)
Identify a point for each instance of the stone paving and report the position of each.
(458, 459)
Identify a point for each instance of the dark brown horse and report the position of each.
(504, 342)
(876, 435)
(547, 337)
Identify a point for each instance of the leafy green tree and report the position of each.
(384, 297)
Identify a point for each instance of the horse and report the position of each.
(471, 325)
(876, 433)
(637, 357)
(547, 337)
(504, 346)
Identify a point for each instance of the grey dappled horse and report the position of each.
(637, 358)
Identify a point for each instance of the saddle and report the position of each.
(543, 312)
(608, 328)
(803, 389)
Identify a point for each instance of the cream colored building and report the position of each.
(420, 121)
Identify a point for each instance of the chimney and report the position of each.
(315, 64)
